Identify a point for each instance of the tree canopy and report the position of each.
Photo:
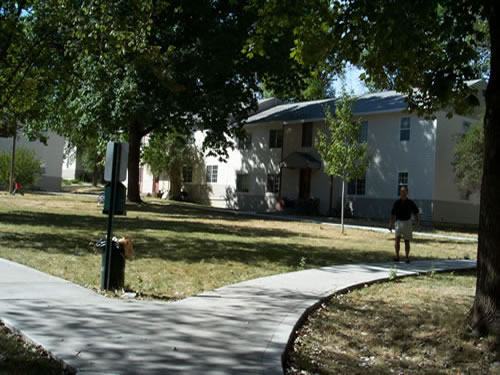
(469, 158)
(30, 48)
(141, 66)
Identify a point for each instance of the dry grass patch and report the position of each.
(22, 358)
(412, 326)
(183, 250)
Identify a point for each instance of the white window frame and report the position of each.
(356, 182)
(405, 128)
(186, 168)
(401, 184)
(363, 136)
(246, 142)
(276, 183)
(212, 170)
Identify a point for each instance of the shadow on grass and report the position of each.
(138, 224)
(202, 242)
(180, 210)
(159, 236)
(195, 250)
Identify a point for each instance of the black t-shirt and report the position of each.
(403, 209)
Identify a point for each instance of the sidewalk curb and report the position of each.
(287, 332)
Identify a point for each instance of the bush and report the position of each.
(28, 168)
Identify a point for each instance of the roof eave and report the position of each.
(318, 119)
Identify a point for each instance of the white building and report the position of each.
(51, 155)
(279, 162)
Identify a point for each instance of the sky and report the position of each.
(352, 82)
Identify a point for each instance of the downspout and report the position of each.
(281, 168)
(331, 196)
(12, 180)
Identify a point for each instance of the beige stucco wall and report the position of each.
(50, 154)
(320, 182)
(426, 157)
(450, 204)
(257, 162)
(390, 156)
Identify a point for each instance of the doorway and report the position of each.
(305, 183)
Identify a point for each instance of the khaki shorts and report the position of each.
(404, 229)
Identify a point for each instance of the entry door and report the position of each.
(305, 183)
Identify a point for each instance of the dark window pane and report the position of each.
(273, 183)
(363, 132)
(187, 174)
(307, 134)
(404, 132)
(275, 138)
(351, 188)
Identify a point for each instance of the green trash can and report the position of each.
(117, 268)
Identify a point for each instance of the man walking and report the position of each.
(402, 210)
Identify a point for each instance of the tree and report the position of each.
(468, 160)
(31, 52)
(94, 158)
(27, 167)
(427, 50)
(316, 85)
(343, 155)
(142, 66)
(166, 153)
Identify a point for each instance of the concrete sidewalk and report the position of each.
(238, 329)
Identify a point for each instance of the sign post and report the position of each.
(115, 171)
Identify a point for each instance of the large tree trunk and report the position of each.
(95, 176)
(486, 309)
(134, 158)
(175, 183)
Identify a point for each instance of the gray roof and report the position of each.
(300, 160)
(388, 101)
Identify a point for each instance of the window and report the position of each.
(242, 182)
(212, 174)
(466, 126)
(245, 143)
(273, 183)
(356, 186)
(363, 132)
(464, 195)
(187, 174)
(404, 131)
(402, 180)
(275, 138)
(307, 134)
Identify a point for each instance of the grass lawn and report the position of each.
(182, 250)
(20, 358)
(412, 326)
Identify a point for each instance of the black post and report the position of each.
(12, 181)
(112, 203)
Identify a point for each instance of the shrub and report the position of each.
(28, 168)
